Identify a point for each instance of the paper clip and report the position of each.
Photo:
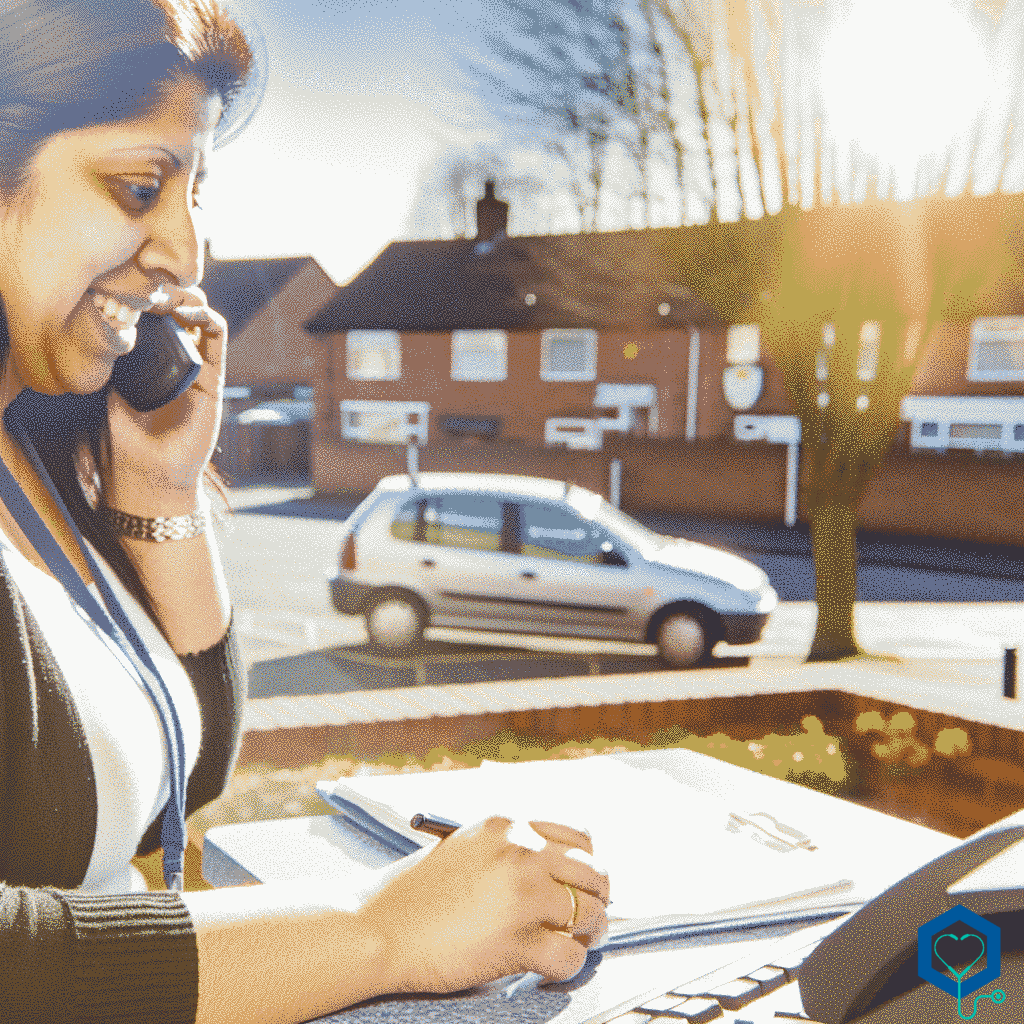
(770, 831)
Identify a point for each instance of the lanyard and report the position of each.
(127, 644)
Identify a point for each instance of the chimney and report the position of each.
(491, 215)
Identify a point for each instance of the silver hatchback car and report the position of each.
(518, 554)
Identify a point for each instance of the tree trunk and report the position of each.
(833, 537)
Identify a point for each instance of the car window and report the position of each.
(463, 521)
(551, 531)
(404, 525)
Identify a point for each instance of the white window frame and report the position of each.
(465, 340)
(586, 372)
(977, 422)
(384, 422)
(990, 329)
(383, 340)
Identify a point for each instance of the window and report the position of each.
(487, 427)
(373, 355)
(548, 531)
(743, 344)
(451, 521)
(867, 354)
(463, 521)
(479, 355)
(385, 422)
(997, 349)
(408, 523)
(568, 355)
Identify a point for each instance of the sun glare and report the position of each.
(902, 79)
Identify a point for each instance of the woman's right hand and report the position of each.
(479, 907)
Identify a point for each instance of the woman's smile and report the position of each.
(116, 320)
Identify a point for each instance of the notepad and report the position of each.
(672, 851)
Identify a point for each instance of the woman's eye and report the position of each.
(147, 195)
(140, 196)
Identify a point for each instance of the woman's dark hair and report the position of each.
(67, 64)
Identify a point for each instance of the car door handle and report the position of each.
(528, 575)
(428, 563)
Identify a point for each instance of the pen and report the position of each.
(434, 824)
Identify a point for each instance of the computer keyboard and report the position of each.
(751, 992)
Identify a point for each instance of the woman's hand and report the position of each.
(479, 907)
(157, 458)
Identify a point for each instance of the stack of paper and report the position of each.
(672, 852)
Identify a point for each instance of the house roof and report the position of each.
(238, 288)
(703, 275)
(597, 280)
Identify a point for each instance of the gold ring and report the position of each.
(570, 928)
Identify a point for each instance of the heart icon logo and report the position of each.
(958, 953)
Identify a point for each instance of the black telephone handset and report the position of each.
(163, 363)
(866, 971)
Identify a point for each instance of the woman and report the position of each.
(119, 719)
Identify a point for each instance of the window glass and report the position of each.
(997, 349)
(403, 526)
(479, 355)
(568, 355)
(550, 531)
(463, 521)
(373, 355)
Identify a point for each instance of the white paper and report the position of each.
(665, 845)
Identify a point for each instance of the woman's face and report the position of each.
(107, 210)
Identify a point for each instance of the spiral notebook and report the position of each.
(674, 854)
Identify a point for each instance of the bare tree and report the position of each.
(847, 294)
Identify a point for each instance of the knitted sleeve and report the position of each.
(67, 956)
(73, 957)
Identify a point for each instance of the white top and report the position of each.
(122, 727)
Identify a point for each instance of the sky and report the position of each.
(359, 101)
(365, 98)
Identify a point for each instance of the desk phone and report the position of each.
(864, 969)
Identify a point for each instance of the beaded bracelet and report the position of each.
(157, 528)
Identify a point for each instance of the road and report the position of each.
(277, 563)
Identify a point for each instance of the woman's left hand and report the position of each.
(157, 458)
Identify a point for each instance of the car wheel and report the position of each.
(395, 622)
(682, 640)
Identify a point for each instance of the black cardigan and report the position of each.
(68, 956)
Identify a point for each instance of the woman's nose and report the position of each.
(173, 245)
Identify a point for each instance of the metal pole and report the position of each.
(1010, 672)
(792, 481)
(412, 461)
(693, 375)
(615, 482)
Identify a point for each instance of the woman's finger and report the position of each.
(590, 918)
(190, 308)
(565, 834)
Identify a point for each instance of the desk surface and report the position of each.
(326, 846)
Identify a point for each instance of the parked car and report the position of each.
(524, 555)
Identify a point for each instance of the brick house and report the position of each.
(472, 350)
(271, 361)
